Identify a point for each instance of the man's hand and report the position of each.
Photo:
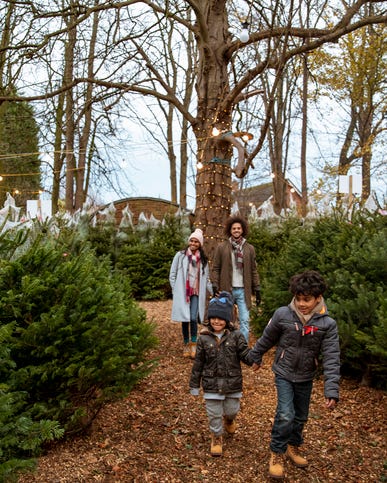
(258, 299)
(255, 366)
(215, 290)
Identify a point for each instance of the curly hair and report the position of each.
(236, 219)
(309, 282)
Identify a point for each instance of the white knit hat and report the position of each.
(198, 234)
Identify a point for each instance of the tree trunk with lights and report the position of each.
(213, 181)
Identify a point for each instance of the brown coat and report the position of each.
(222, 269)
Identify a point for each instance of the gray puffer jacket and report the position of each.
(217, 365)
(299, 346)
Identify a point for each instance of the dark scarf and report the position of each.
(237, 246)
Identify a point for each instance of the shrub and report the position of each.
(353, 259)
(78, 339)
(20, 436)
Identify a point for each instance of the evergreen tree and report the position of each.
(19, 153)
(352, 258)
(79, 339)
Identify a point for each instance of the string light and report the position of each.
(244, 33)
(244, 135)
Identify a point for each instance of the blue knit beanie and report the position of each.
(221, 306)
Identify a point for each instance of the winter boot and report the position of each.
(186, 350)
(229, 425)
(276, 467)
(293, 453)
(216, 445)
(193, 350)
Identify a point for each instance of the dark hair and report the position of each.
(236, 219)
(309, 282)
(203, 256)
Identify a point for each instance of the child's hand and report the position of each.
(330, 403)
(255, 366)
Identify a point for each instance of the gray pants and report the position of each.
(217, 408)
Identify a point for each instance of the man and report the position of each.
(235, 270)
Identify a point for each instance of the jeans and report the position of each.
(217, 408)
(193, 323)
(238, 295)
(293, 400)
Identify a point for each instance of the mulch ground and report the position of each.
(159, 433)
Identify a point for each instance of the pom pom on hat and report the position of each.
(221, 307)
(198, 234)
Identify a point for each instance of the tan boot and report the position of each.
(193, 350)
(229, 425)
(186, 351)
(293, 453)
(276, 467)
(216, 445)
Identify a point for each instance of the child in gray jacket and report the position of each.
(301, 331)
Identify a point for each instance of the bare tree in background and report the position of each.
(355, 77)
(132, 65)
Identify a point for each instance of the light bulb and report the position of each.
(215, 131)
(244, 34)
(199, 165)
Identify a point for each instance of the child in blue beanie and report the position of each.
(217, 367)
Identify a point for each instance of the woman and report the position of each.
(189, 279)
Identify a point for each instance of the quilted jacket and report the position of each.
(299, 347)
(217, 365)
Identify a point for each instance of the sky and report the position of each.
(146, 174)
(144, 168)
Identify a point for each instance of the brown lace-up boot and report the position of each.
(193, 350)
(216, 445)
(276, 467)
(293, 453)
(229, 425)
(186, 350)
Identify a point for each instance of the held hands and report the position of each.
(330, 403)
(194, 391)
(255, 366)
(258, 299)
(215, 290)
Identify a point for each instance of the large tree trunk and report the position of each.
(213, 180)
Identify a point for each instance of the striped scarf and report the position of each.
(192, 281)
(237, 246)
